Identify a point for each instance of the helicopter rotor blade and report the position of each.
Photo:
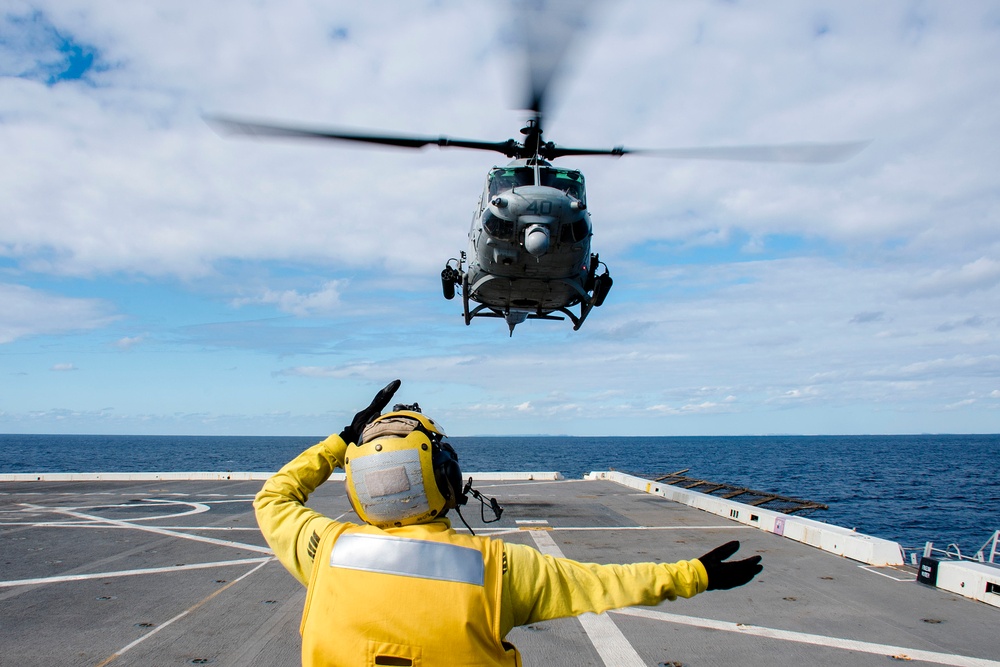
(803, 153)
(546, 29)
(229, 125)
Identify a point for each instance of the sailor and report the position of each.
(403, 587)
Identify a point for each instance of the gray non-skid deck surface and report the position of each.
(176, 573)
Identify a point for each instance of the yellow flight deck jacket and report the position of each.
(425, 595)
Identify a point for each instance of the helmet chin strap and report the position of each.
(493, 505)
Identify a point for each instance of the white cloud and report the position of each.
(313, 372)
(128, 342)
(799, 393)
(986, 365)
(60, 368)
(981, 274)
(146, 187)
(116, 188)
(321, 302)
(26, 312)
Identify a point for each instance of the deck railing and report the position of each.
(988, 553)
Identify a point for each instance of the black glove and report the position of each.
(351, 433)
(723, 576)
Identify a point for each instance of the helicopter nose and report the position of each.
(536, 240)
(537, 233)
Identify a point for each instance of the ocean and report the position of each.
(907, 488)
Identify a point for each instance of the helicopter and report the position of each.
(529, 252)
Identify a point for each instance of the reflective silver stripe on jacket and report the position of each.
(408, 558)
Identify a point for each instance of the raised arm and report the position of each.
(292, 529)
(287, 524)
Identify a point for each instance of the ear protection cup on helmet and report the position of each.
(448, 475)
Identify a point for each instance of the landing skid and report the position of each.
(514, 318)
(599, 287)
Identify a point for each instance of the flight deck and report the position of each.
(162, 570)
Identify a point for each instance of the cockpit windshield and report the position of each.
(507, 178)
(567, 180)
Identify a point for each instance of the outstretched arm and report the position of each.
(539, 587)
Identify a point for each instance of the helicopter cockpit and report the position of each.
(508, 178)
(502, 180)
(569, 181)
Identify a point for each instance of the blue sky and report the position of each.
(158, 278)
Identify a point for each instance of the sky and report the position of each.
(158, 278)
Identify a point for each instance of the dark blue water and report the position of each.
(911, 489)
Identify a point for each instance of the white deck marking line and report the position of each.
(179, 616)
(91, 524)
(196, 508)
(159, 531)
(816, 640)
(223, 529)
(868, 568)
(523, 529)
(230, 500)
(614, 649)
(527, 482)
(130, 573)
(611, 528)
(49, 524)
